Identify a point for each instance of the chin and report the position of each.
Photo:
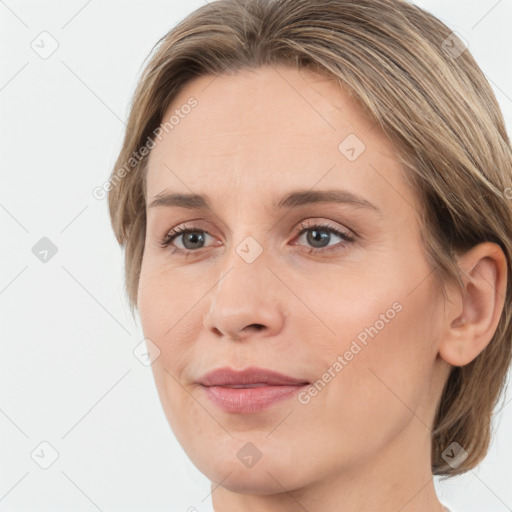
(271, 474)
(259, 481)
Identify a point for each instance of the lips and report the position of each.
(250, 377)
(248, 391)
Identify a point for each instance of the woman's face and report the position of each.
(335, 292)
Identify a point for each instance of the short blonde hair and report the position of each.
(414, 77)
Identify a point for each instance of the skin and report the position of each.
(363, 442)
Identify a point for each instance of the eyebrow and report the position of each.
(291, 200)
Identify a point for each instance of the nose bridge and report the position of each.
(244, 298)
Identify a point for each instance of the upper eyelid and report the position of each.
(301, 228)
(196, 225)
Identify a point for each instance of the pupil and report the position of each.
(193, 238)
(316, 236)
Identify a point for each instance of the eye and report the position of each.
(319, 235)
(191, 238)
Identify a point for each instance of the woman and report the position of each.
(314, 201)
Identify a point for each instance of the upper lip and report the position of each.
(229, 377)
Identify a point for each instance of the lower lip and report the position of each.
(246, 400)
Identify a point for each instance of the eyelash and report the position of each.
(345, 235)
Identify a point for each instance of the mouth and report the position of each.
(250, 390)
(240, 386)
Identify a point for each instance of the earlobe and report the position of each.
(472, 317)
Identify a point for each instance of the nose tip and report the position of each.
(246, 303)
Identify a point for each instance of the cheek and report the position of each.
(385, 354)
(379, 331)
(169, 319)
(164, 300)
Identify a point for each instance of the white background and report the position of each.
(68, 374)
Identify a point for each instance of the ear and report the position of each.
(473, 312)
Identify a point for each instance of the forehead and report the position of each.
(265, 129)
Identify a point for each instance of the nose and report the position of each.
(245, 303)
